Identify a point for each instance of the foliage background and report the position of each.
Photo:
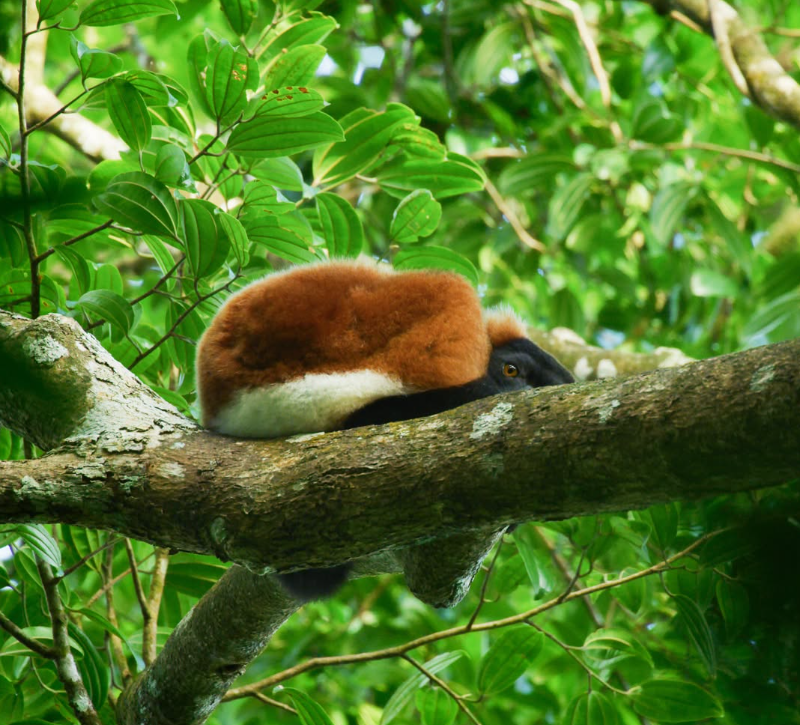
(640, 204)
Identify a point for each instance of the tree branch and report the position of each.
(770, 86)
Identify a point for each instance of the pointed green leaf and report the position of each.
(403, 695)
(39, 539)
(109, 306)
(298, 67)
(454, 175)
(128, 113)
(508, 658)
(416, 216)
(117, 12)
(608, 646)
(279, 240)
(12, 245)
(140, 202)
(674, 701)
(50, 9)
(237, 235)
(293, 101)
(566, 204)
(435, 706)
(171, 166)
(699, 631)
(269, 137)
(432, 257)
(416, 141)
(207, 245)
(668, 207)
(240, 14)
(311, 30)
(309, 712)
(81, 276)
(341, 227)
(94, 672)
(533, 173)
(653, 122)
(536, 557)
(591, 708)
(93, 63)
(229, 75)
(366, 133)
(160, 253)
(261, 197)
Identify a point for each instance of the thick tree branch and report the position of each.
(749, 58)
(721, 425)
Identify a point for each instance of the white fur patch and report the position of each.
(315, 402)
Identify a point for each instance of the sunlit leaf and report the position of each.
(298, 67)
(40, 540)
(240, 14)
(432, 257)
(206, 244)
(309, 712)
(452, 176)
(128, 113)
(416, 216)
(116, 12)
(141, 202)
(341, 227)
(268, 137)
(109, 306)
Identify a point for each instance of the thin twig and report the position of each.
(522, 234)
(77, 565)
(150, 630)
(400, 650)
(716, 148)
(485, 584)
(444, 686)
(111, 615)
(34, 645)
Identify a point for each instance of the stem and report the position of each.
(24, 181)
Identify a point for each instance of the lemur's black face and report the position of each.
(520, 364)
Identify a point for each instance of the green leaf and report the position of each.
(240, 14)
(609, 646)
(429, 98)
(674, 701)
(403, 695)
(663, 520)
(206, 244)
(432, 257)
(39, 539)
(79, 268)
(710, 283)
(109, 306)
(156, 90)
(734, 603)
(452, 176)
(366, 134)
(435, 706)
(279, 240)
(229, 75)
(416, 216)
(160, 253)
(566, 204)
(197, 56)
(93, 63)
(699, 631)
(311, 30)
(49, 9)
(309, 712)
(12, 245)
(117, 12)
(591, 708)
(260, 197)
(291, 102)
(128, 113)
(414, 140)
(652, 122)
(140, 202)
(668, 207)
(194, 578)
(270, 137)
(533, 174)
(298, 67)
(536, 557)
(508, 658)
(171, 166)
(776, 321)
(5, 143)
(341, 227)
(94, 672)
(282, 173)
(237, 235)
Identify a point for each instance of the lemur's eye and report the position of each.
(510, 371)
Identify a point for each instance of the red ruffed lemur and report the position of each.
(338, 345)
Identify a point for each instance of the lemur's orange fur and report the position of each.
(424, 329)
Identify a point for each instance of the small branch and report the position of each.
(68, 672)
(720, 23)
(111, 615)
(34, 645)
(400, 650)
(717, 149)
(444, 686)
(137, 583)
(485, 584)
(150, 629)
(513, 219)
(77, 565)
